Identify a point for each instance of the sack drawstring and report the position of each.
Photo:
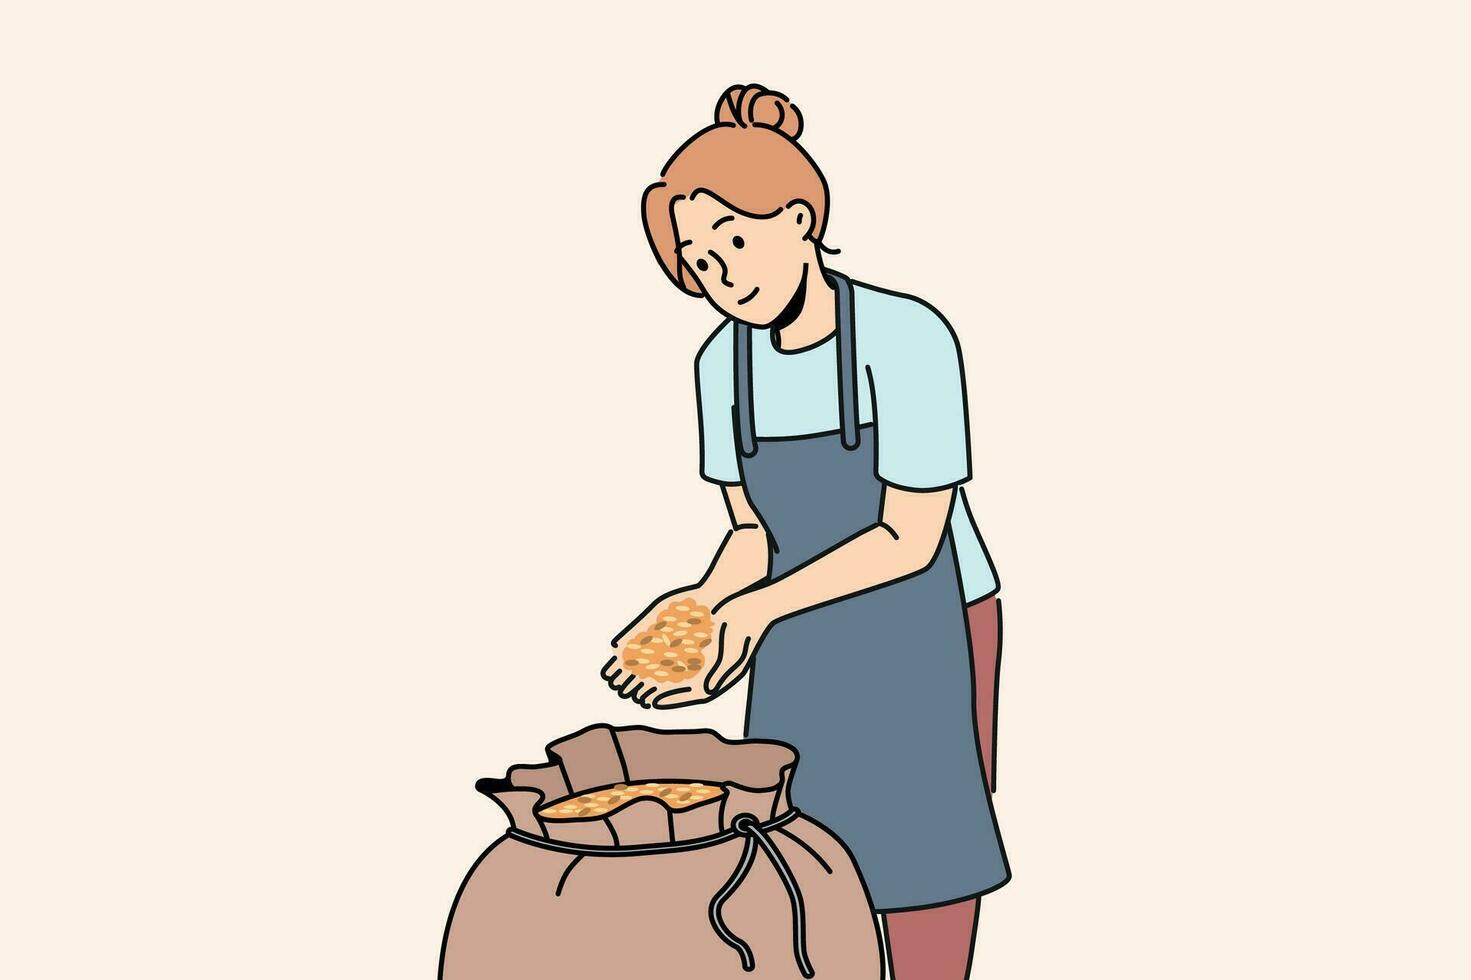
(746, 825)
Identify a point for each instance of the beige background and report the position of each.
(330, 343)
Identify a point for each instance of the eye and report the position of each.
(702, 265)
(738, 242)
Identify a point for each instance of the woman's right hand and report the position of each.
(624, 683)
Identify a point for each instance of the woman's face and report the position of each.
(749, 268)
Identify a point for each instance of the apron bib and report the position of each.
(875, 691)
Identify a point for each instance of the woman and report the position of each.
(852, 585)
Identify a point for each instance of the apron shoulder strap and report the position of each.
(745, 417)
(743, 411)
(847, 364)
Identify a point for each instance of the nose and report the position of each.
(724, 270)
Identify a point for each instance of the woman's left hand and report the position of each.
(742, 622)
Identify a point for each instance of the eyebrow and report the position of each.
(681, 245)
(721, 221)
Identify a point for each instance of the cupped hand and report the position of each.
(650, 692)
(627, 672)
(741, 625)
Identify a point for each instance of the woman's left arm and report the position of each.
(903, 542)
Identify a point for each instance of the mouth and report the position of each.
(749, 296)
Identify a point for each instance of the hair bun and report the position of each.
(753, 105)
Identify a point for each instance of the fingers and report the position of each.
(628, 684)
(624, 683)
(714, 668)
(730, 663)
(734, 675)
(631, 687)
(748, 657)
(675, 698)
(643, 692)
(617, 679)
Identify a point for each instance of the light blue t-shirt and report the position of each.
(909, 375)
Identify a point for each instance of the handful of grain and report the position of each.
(599, 802)
(674, 648)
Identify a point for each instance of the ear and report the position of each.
(802, 217)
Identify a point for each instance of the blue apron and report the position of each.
(875, 691)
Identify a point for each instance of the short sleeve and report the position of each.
(715, 391)
(918, 390)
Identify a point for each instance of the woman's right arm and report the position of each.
(743, 558)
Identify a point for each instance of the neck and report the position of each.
(817, 315)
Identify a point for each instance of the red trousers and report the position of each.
(936, 943)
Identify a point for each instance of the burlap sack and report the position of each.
(741, 886)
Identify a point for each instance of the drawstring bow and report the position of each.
(756, 837)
